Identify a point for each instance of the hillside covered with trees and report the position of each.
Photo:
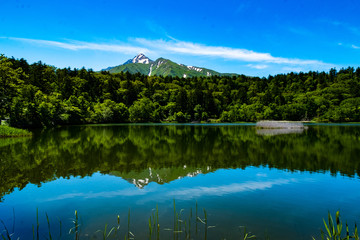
(38, 95)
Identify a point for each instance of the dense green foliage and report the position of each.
(129, 151)
(40, 95)
(6, 131)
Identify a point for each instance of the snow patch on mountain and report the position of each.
(159, 63)
(194, 68)
(141, 58)
(150, 70)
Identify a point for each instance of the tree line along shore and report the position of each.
(40, 95)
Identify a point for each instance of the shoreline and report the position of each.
(11, 132)
(25, 133)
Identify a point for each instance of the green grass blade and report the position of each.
(37, 224)
(6, 230)
(327, 228)
(111, 230)
(48, 222)
(128, 233)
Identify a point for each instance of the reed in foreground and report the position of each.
(183, 228)
(335, 231)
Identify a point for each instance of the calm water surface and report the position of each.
(276, 183)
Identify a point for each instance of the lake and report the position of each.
(278, 184)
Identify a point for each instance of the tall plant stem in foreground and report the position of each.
(334, 231)
(48, 222)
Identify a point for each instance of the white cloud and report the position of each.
(293, 69)
(257, 66)
(245, 55)
(355, 47)
(79, 45)
(157, 47)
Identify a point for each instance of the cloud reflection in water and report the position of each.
(190, 193)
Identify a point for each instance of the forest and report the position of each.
(39, 95)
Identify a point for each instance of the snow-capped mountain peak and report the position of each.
(162, 67)
(140, 58)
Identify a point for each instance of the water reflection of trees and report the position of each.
(130, 150)
(278, 131)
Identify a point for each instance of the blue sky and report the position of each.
(252, 37)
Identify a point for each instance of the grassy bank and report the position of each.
(6, 131)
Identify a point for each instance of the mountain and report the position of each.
(161, 66)
(160, 176)
(141, 58)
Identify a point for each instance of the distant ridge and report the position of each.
(162, 67)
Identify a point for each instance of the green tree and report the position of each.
(109, 111)
(141, 110)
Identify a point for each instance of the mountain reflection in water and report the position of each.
(163, 153)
